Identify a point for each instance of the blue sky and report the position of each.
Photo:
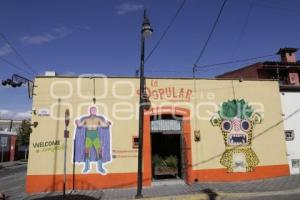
(97, 36)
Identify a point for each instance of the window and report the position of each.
(289, 135)
(162, 125)
(295, 163)
(135, 142)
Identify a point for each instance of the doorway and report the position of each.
(166, 147)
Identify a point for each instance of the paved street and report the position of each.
(278, 197)
(12, 180)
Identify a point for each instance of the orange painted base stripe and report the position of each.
(261, 172)
(48, 183)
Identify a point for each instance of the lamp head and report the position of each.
(4, 83)
(19, 84)
(146, 28)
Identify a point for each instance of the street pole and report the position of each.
(66, 135)
(25, 153)
(1, 153)
(141, 124)
(146, 31)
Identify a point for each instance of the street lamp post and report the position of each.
(145, 32)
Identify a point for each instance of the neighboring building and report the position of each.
(202, 130)
(291, 111)
(287, 71)
(8, 135)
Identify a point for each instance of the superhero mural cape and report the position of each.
(79, 143)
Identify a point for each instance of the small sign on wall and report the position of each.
(135, 142)
(197, 136)
(43, 112)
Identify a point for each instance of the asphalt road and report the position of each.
(276, 197)
(12, 182)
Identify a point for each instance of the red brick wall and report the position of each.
(249, 72)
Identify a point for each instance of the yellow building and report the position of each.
(196, 129)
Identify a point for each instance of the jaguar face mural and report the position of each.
(237, 119)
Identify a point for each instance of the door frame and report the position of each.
(186, 133)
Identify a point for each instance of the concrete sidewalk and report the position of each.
(12, 164)
(179, 190)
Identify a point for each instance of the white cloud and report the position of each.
(23, 115)
(4, 50)
(62, 31)
(128, 7)
(58, 32)
(8, 114)
(86, 28)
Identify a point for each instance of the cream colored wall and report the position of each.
(209, 94)
(51, 129)
(269, 145)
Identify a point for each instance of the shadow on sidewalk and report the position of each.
(210, 193)
(68, 197)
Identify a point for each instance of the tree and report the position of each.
(24, 133)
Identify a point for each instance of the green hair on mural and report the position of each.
(235, 108)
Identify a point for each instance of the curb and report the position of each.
(222, 195)
(262, 194)
(12, 164)
(185, 197)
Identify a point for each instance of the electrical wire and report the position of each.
(15, 66)
(166, 30)
(18, 54)
(233, 61)
(210, 34)
(244, 25)
(209, 67)
(168, 71)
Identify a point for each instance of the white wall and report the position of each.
(290, 104)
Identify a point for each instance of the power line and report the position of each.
(15, 66)
(210, 34)
(18, 54)
(169, 71)
(166, 30)
(210, 67)
(244, 25)
(233, 61)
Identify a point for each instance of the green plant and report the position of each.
(156, 160)
(24, 133)
(168, 162)
(171, 161)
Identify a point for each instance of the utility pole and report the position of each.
(194, 71)
(145, 32)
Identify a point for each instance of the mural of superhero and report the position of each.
(237, 119)
(92, 141)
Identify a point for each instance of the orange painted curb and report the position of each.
(261, 172)
(48, 183)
